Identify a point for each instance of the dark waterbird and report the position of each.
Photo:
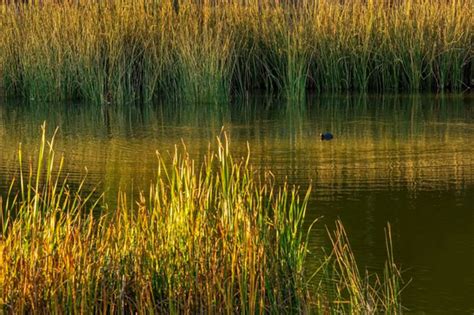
(326, 136)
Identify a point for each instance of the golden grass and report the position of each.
(212, 238)
(209, 238)
(127, 51)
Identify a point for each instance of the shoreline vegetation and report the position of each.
(209, 238)
(133, 52)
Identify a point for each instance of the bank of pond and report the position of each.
(134, 52)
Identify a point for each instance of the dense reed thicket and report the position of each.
(204, 239)
(213, 238)
(129, 51)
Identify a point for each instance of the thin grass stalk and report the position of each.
(352, 291)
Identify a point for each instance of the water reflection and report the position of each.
(398, 142)
(404, 159)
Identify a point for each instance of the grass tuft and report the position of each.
(348, 290)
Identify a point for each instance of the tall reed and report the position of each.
(348, 290)
(129, 52)
(203, 48)
(212, 238)
(209, 238)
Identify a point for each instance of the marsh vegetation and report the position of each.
(207, 238)
(220, 227)
(128, 51)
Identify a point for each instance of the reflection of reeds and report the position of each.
(380, 142)
(419, 143)
(127, 51)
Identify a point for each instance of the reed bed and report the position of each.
(214, 238)
(205, 239)
(207, 51)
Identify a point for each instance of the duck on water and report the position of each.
(326, 136)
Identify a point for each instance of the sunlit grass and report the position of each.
(354, 291)
(211, 238)
(206, 238)
(133, 52)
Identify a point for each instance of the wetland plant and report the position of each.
(133, 52)
(208, 238)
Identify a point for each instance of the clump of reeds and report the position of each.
(128, 51)
(209, 238)
(203, 48)
(212, 238)
(347, 290)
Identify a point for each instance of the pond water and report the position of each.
(403, 159)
